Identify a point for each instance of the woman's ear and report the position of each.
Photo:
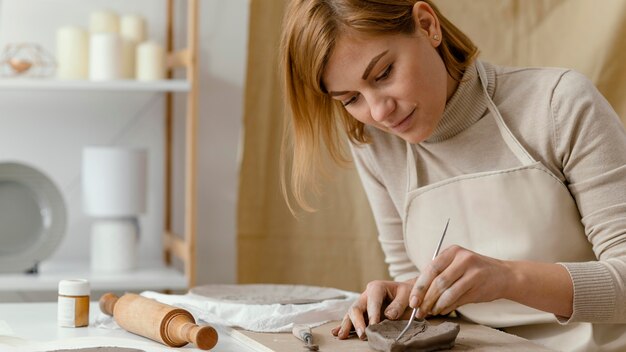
(426, 22)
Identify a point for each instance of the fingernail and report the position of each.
(340, 332)
(413, 302)
(359, 332)
(391, 314)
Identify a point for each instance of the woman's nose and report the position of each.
(381, 107)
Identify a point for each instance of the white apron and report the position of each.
(523, 213)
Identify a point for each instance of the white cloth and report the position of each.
(258, 317)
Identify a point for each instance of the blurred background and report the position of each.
(245, 233)
(337, 245)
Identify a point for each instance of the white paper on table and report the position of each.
(5, 329)
(258, 317)
(105, 321)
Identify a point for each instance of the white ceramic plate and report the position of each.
(32, 217)
(267, 293)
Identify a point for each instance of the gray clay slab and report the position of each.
(421, 336)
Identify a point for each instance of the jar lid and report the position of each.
(74, 287)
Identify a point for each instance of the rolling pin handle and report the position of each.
(205, 337)
(107, 303)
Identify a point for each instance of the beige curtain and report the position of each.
(337, 245)
(585, 35)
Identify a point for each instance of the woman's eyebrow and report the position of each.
(333, 94)
(370, 66)
(366, 73)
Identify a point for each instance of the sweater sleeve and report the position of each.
(590, 142)
(388, 221)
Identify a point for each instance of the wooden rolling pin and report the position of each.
(160, 322)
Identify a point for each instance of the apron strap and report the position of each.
(411, 168)
(514, 145)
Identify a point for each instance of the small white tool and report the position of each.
(303, 332)
(408, 324)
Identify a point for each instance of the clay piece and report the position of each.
(421, 336)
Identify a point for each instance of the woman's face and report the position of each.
(397, 83)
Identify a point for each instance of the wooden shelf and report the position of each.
(182, 247)
(170, 85)
(151, 276)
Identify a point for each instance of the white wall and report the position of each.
(224, 45)
(49, 129)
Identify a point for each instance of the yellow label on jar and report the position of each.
(73, 311)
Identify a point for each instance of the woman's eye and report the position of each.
(385, 74)
(350, 100)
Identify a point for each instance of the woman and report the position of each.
(528, 164)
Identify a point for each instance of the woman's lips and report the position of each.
(404, 124)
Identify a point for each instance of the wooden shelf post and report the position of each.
(182, 247)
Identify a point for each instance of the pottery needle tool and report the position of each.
(408, 324)
(303, 332)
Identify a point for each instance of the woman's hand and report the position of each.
(459, 276)
(372, 302)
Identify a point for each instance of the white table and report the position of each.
(33, 327)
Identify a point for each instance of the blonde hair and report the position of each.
(310, 29)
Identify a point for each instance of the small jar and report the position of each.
(73, 305)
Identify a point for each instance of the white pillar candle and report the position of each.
(133, 27)
(133, 32)
(105, 56)
(72, 52)
(129, 47)
(150, 64)
(104, 21)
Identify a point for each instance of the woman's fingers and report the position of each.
(345, 327)
(396, 308)
(343, 330)
(436, 267)
(443, 283)
(368, 308)
(356, 317)
(456, 277)
(377, 294)
(451, 298)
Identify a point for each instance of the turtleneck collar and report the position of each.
(466, 106)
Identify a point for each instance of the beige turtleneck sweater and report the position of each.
(562, 121)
